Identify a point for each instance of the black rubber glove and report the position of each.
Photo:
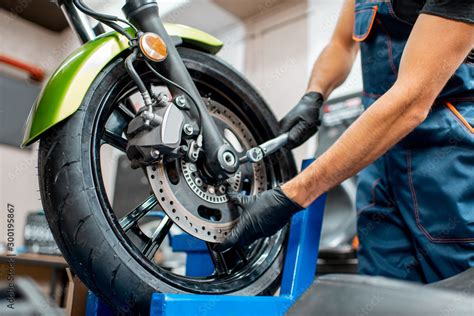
(303, 120)
(261, 215)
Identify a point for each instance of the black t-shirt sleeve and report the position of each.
(459, 10)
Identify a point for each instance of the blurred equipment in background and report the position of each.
(39, 259)
(38, 237)
(337, 252)
(48, 272)
(27, 300)
(17, 95)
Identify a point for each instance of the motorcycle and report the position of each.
(158, 94)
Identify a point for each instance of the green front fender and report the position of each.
(65, 90)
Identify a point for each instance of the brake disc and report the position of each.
(193, 201)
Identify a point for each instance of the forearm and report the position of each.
(421, 78)
(332, 68)
(365, 141)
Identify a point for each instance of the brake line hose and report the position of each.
(106, 19)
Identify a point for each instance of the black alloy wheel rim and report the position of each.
(116, 116)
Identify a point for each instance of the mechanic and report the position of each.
(414, 143)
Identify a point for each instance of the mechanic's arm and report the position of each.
(335, 61)
(435, 49)
(330, 70)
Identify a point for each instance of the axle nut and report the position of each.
(229, 158)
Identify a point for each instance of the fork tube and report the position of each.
(144, 15)
(78, 21)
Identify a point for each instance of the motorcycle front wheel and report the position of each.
(108, 256)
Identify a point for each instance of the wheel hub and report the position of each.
(212, 193)
(197, 203)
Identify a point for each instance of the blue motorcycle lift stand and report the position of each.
(298, 274)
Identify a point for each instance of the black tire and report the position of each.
(86, 230)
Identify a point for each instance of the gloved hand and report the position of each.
(303, 120)
(262, 215)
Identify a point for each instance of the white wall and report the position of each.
(276, 53)
(323, 15)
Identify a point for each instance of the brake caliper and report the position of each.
(159, 133)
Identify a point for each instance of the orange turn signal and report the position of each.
(153, 47)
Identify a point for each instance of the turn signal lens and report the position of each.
(153, 47)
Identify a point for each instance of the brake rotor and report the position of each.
(197, 203)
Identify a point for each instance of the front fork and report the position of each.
(145, 16)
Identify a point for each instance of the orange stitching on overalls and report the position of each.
(388, 39)
(413, 196)
(459, 118)
(417, 211)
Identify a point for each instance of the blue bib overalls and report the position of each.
(416, 203)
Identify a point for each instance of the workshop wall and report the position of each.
(276, 56)
(323, 15)
(18, 181)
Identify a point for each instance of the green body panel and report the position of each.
(67, 87)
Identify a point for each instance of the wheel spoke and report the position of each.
(141, 210)
(242, 255)
(125, 112)
(220, 265)
(114, 140)
(137, 237)
(158, 237)
(119, 118)
(116, 124)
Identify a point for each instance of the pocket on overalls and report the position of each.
(440, 169)
(363, 21)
